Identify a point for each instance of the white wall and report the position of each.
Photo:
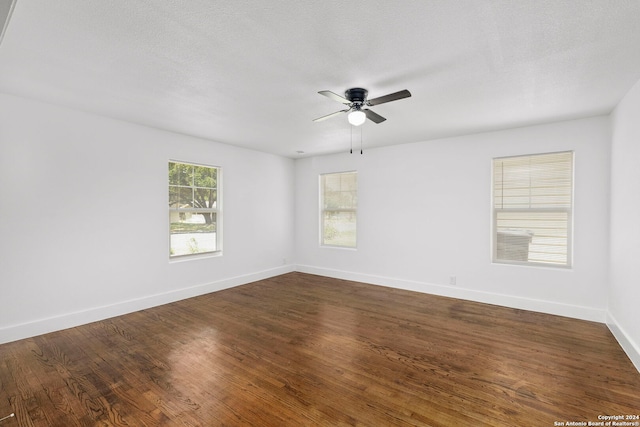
(624, 291)
(83, 229)
(83, 203)
(425, 214)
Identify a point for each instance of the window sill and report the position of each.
(344, 248)
(533, 265)
(190, 257)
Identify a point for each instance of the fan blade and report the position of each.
(334, 96)
(374, 117)
(388, 98)
(319, 119)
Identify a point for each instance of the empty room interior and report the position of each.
(416, 213)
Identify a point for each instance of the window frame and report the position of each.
(568, 211)
(322, 211)
(216, 210)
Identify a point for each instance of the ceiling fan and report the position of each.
(356, 99)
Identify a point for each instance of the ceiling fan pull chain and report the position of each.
(351, 149)
(361, 139)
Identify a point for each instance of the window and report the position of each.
(193, 209)
(532, 202)
(339, 201)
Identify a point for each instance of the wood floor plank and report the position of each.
(305, 350)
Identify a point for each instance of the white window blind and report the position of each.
(339, 202)
(532, 203)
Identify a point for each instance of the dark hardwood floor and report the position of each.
(304, 350)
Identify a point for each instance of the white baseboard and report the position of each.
(69, 320)
(46, 325)
(628, 345)
(549, 307)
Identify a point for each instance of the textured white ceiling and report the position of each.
(247, 72)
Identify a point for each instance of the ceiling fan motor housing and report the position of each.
(356, 95)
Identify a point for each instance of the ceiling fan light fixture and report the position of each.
(357, 117)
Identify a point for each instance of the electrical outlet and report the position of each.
(452, 280)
